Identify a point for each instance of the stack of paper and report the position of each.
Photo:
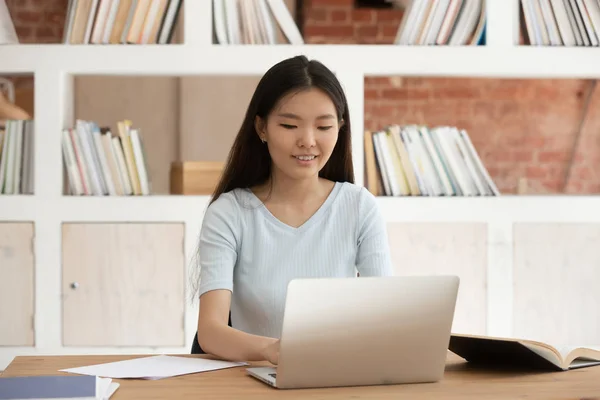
(154, 367)
(44, 387)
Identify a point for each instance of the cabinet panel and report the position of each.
(557, 275)
(16, 284)
(447, 248)
(123, 284)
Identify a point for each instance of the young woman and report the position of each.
(286, 207)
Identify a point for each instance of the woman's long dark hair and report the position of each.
(249, 162)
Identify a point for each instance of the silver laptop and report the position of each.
(363, 331)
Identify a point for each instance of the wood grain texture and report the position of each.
(16, 284)
(130, 281)
(556, 277)
(425, 248)
(461, 381)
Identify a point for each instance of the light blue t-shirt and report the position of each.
(247, 250)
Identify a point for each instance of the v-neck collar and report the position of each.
(310, 221)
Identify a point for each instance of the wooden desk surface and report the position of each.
(461, 381)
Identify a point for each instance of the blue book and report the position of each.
(48, 387)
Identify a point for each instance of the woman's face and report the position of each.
(301, 132)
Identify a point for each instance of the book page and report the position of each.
(582, 353)
(545, 352)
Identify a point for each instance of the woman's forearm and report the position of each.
(231, 344)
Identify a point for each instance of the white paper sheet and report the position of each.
(105, 388)
(154, 367)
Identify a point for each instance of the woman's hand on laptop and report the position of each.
(271, 352)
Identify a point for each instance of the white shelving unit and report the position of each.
(54, 66)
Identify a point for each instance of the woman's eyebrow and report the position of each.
(294, 116)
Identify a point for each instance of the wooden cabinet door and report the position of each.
(16, 284)
(556, 275)
(123, 284)
(447, 248)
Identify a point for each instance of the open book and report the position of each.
(521, 353)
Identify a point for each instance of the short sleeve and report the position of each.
(373, 256)
(217, 247)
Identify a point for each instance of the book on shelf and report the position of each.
(416, 160)
(442, 22)
(560, 22)
(254, 22)
(8, 34)
(120, 21)
(16, 156)
(522, 353)
(99, 163)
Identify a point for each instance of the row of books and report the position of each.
(16, 157)
(99, 163)
(443, 22)
(120, 21)
(417, 160)
(561, 22)
(254, 22)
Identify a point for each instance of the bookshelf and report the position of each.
(492, 249)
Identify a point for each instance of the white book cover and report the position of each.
(562, 21)
(75, 183)
(110, 187)
(286, 22)
(18, 159)
(219, 22)
(90, 128)
(389, 166)
(450, 152)
(436, 23)
(90, 22)
(112, 162)
(385, 180)
(110, 21)
(482, 170)
(437, 163)
(8, 34)
(4, 155)
(428, 166)
(410, 149)
(86, 150)
(119, 155)
(140, 163)
(434, 133)
(468, 162)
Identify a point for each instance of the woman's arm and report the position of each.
(373, 257)
(217, 338)
(220, 239)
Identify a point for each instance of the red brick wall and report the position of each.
(524, 130)
(38, 21)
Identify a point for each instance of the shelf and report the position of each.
(555, 209)
(372, 60)
(175, 208)
(104, 208)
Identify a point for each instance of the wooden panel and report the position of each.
(16, 284)
(207, 128)
(123, 284)
(556, 282)
(447, 248)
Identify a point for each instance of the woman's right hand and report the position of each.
(271, 352)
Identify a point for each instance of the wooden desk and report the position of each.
(461, 381)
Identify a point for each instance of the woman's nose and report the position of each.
(307, 138)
